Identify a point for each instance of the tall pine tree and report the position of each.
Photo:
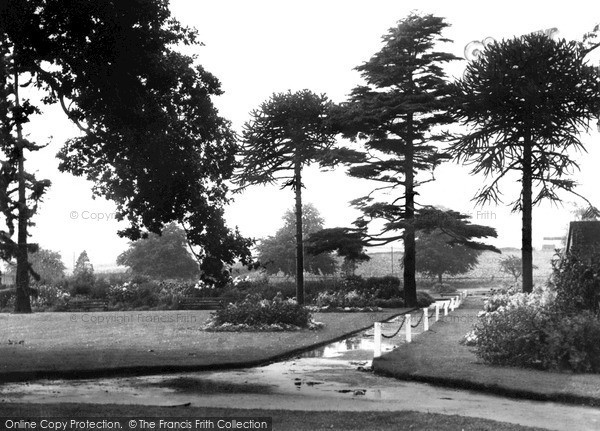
(405, 98)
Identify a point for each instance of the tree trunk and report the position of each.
(440, 278)
(410, 283)
(526, 246)
(22, 304)
(299, 239)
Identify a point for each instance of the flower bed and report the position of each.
(257, 314)
(556, 327)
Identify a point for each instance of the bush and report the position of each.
(424, 299)
(100, 289)
(513, 333)
(352, 282)
(133, 295)
(254, 311)
(352, 299)
(576, 282)
(574, 343)
(238, 289)
(382, 287)
(48, 297)
(7, 297)
(443, 288)
(389, 303)
(529, 330)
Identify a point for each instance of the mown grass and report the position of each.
(74, 342)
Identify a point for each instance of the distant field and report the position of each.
(486, 274)
(489, 264)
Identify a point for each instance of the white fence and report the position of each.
(436, 308)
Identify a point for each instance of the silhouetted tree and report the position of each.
(404, 99)
(286, 133)
(525, 101)
(152, 140)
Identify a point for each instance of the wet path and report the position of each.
(334, 377)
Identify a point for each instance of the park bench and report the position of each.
(87, 305)
(195, 303)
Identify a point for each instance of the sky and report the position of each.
(257, 48)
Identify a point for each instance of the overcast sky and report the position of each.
(259, 47)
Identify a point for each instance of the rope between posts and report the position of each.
(419, 322)
(429, 316)
(395, 333)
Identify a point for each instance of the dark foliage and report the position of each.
(576, 281)
(405, 97)
(152, 140)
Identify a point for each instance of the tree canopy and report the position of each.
(161, 256)
(286, 133)
(436, 255)
(277, 253)
(525, 102)
(405, 97)
(151, 138)
(47, 264)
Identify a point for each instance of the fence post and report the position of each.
(437, 311)
(446, 307)
(408, 329)
(377, 340)
(425, 319)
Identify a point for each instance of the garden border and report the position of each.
(399, 367)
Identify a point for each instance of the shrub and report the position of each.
(382, 287)
(352, 282)
(574, 343)
(443, 288)
(424, 299)
(79, 288)
(576, 282)
(352, 299)
(7, 297)
(238, 289)
(389, 303)
(513, 334)
(100, 289)
(529, 330)
(48, 297)
(133, 295)
(254, 311)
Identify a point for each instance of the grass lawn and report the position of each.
(282, 420)
(93, 344)
(437, 357)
